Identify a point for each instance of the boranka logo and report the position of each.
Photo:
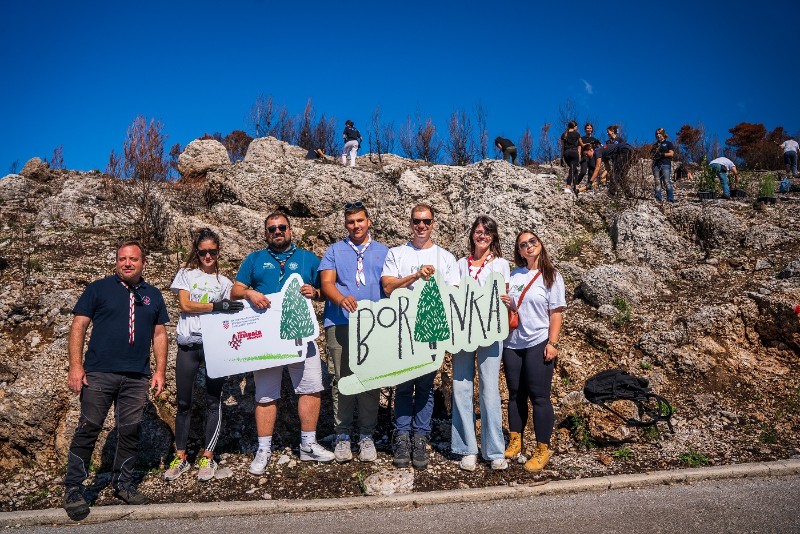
(239, 337)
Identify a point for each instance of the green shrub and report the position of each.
(693, 458)
(767, 186)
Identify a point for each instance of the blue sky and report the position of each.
(77, 73)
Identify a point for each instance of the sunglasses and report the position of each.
(426, 222)
(274, 228)
(212, 251)
(351, 205)
(530, 243)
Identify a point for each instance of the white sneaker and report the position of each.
(259, 463)
(567, 190)
(468, 462)
(367, 451)
(499, 464)
(315, 453)
(342, 452)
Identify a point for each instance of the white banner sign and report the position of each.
(405, 336)
(258, 339)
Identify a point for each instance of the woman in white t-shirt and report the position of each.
(200, 289)
(530, 350)
(485, 257)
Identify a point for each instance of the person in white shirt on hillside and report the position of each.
(485, 257)
(405, 265)
(790, 149)
(530, 351)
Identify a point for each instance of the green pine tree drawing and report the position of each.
(296, 322)
(431, 322)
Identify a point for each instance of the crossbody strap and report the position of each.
(522, 296)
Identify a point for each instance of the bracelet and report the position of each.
(554, 345)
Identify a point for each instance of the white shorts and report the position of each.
(306, 377)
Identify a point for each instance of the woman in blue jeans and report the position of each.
(536, 292)
(485, 258)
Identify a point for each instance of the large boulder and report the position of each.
(202, 155)
(35, 169)
(610, 284)
(644, 236)
(265, 150)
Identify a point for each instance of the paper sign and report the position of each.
(258, 339)
(405, 336)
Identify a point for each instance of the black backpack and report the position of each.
(616, 384)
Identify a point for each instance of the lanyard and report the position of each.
(488, 258)
(360, 278)
(285, 255)
(131, 312)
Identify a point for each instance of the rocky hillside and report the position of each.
(696, 296)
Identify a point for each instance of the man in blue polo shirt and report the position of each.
(351, 271)
(265, 271)
(128, 315)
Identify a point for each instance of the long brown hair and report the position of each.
(490, 225)
(545, 265)
(203, 234)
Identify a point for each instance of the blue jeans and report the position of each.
(790, 160)
(128, 393)
(462, 439)
(663, 173)
(413, 402)
(722, 172)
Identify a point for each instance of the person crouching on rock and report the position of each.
(536, 292)
(200, 289)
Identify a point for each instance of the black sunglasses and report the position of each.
(426, 222)
(275, 227)
(351, 205)
(212, 251)
(530, 243)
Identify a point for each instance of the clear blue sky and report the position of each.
(77, 73)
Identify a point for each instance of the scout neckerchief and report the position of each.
(360, 278)
(489, 258)
(131, 311)
(282, 258)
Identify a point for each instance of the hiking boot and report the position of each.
(177, 467)
(499, 464)
(468, 462)
(514, 444)
(259, 463)
(342, 451)
(539, 459)
(419, 454)
(402, 454)
(75, 504)
(131, 495)
(366, 450)
(316, 453)
(208, 467)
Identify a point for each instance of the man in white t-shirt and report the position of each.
(790, 149)
(418, 259)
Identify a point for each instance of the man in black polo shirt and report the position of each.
(128, 315)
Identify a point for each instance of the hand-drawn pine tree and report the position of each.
(296, 322)
(431, 322)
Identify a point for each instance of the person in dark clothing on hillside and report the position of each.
(571, 144)
(663, 152)
(589, 138)
(352, 140)
(591, 167)
(619, 153)
(507, 148)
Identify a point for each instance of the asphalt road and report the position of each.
(755, 504)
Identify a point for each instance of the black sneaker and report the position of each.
(402, 456)
(75, 504)
(131, 496)
(420, 453)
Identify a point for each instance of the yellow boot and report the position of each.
(539, 459)
(514, 444)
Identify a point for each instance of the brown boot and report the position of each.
(514, 444)
(539, 459)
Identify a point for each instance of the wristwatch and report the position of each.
(554, 345)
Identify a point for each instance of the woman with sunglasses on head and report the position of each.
(485, 257)
(200, 289)
(536, 292)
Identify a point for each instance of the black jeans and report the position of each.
(528, 376)
(128, 393)
(573, 160)
(188, 363)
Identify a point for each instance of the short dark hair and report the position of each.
(356, 209)
(420, 207)
(275, 214)
(132, 243)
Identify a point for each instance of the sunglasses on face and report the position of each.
(274, 228)
(426, 222)
(212, 251)
(530, 243)
(351, 205)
